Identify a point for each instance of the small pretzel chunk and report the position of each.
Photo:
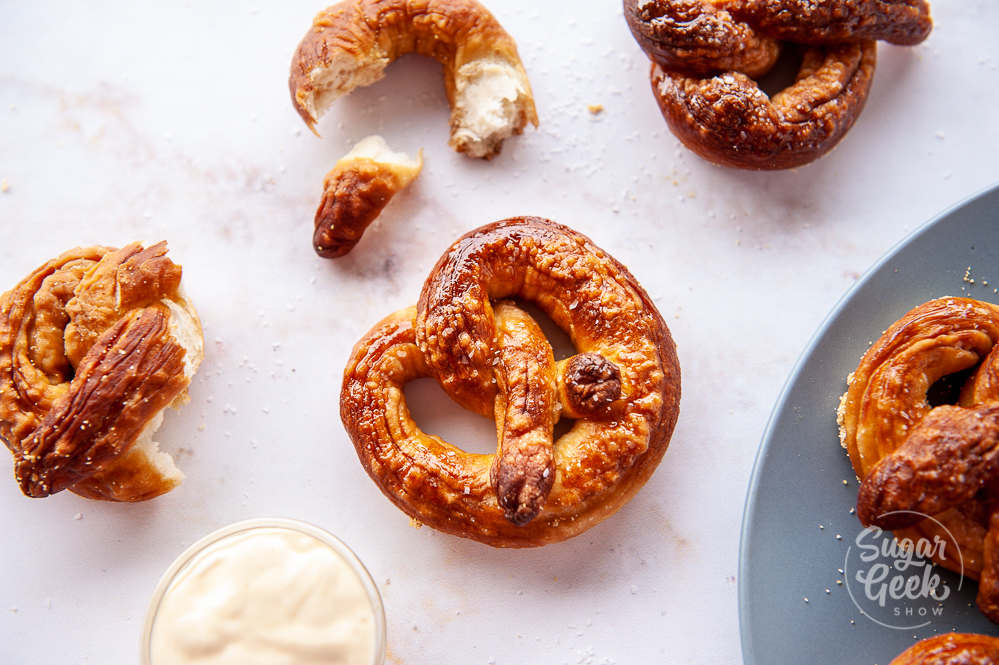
(622, 389)
(356, 191)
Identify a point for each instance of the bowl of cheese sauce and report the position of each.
(267, 592)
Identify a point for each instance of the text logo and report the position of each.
(893, 581)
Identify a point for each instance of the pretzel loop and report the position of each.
(622, 389)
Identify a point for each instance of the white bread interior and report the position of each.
(375, 149)
(492, 102)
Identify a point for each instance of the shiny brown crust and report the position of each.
(707, 54)
(951, 649)
(946, 460)
(937, 460)
(87, 359)
(370, 34)
(707, 37)
(886, 400)
(355, 192)
(728, 120)
(493, 359)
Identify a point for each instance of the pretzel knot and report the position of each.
(706, 54)
(94, 345)
(916, 457)
(622, 388)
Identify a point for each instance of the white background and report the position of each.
(125, 121)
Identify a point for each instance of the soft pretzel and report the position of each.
(351, 43)
(706, 55)
(94, 345)
(917, 459)
(622, 389)
(728, 120)
(356, 191)
(951, 649)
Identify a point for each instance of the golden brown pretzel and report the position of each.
(351, 43)
(94, 345)
(951, 649)
(943, 461)
(623, 388)
(707, 53)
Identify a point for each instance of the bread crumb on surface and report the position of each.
(595, 109)
(4, 186)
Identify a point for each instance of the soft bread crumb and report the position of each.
(186, 330)
(377, 150)
(343, 74)
(492, 102)
(841, 417)
(161, 461)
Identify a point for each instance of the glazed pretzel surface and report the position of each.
(94, 345)
(951, 649)
(915, 458)
(622, 388)
(706, 55)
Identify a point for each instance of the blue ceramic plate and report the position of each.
(814, 587)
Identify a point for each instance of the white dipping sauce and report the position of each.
(264, 596)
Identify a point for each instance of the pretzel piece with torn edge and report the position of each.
(94, 346)
(351, 43)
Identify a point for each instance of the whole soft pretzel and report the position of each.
(94, 345)
(622, 388)
(951, 649)
(706, 55)
(915, 459)
(351, 43)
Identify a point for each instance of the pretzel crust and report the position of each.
(951, 649)
(351, 43)
(729, 120)
(93, 346)
(453, 336)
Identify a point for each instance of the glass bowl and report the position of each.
(192, 554)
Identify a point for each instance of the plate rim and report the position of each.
(749, 504)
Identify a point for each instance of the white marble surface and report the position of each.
(130, 121)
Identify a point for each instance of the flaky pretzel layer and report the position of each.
(623, 388)
(707, 55)
(951, 649)
(916, 459)
(93, 346)
(351, 43)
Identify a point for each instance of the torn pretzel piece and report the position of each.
(94, 346)
(352, 42)
(356, 191)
